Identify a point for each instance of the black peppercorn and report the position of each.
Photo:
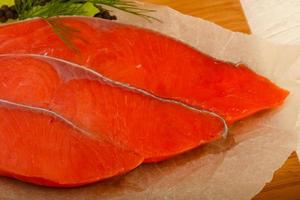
(98, 15)
(2, 13)
(9, 14)
(15, 14)
(113, 17)
(3, 19)
(105, 15)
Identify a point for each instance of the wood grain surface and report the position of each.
(228, 13)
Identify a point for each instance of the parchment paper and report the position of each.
(277, 21)
(235, 168)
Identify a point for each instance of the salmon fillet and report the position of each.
(65, 125)
(41, 148)
(150, 61)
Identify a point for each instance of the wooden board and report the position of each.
(228, 13)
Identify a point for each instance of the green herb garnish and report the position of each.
(126, 6)
(50, 10)
(32, 8)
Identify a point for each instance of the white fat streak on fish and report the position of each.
(82, 72)
(54, 115)
(71, 71)
(19, 106)
(67, 72)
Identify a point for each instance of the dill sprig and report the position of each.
(55, 8)
(31, 8)
(65, 33)
(126, 6)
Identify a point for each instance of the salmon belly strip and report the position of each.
(151, 61)
(40, 148)
(65, 125)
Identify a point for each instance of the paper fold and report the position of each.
(277, 21)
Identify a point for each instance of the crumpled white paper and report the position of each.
(277, 21)
(235, 168)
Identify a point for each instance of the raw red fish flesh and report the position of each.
(38, 147)
(65, 125)
(151, 61)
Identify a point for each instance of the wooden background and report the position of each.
(228, 13)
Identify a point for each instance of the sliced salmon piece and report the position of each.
(126, 117)
(41, 148)
(151, 61)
